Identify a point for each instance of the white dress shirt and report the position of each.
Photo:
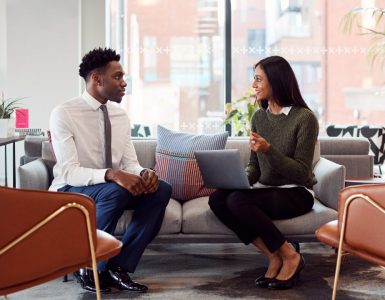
(77, 131)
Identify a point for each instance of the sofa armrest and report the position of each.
(34, 175)
(330, 180)
(356, 166)
(32, 145)
(24, 159)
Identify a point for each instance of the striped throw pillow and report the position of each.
(176, 163)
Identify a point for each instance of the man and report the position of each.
(91, 138)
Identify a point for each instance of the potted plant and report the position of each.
(7, 109)
(240, 112)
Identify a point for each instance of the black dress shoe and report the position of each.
(120, 279)
(263, 281)
(277, 284)
(86, 279)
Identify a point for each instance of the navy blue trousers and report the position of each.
(111, 201)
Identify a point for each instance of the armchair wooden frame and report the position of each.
(108, 246)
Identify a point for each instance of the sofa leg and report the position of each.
(296, 247)
(65, 278)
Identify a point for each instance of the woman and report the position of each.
(282, 145)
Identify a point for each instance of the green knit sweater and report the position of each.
(289, 158)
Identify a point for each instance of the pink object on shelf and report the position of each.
(21, 118)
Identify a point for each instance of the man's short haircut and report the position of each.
(96, 59)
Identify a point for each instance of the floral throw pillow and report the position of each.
(175, 161)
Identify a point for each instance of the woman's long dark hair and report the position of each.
(283, 83)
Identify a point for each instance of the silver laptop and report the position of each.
(222, 169)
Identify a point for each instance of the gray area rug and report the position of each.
(227, 271)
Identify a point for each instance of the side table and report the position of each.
(358, 181)
(4, 142)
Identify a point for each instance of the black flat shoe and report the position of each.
(277, 284)
(121, 280)
(263, 281)
(86, 279)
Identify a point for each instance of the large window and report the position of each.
(174, 53)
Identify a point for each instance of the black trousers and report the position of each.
(249, 213)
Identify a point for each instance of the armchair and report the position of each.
(360, 228)
(45, 235)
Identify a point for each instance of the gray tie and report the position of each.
(107, 137)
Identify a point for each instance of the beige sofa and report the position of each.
(193, 221)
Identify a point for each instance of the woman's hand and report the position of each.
(258, 143)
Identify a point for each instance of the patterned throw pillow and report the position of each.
(176, 163)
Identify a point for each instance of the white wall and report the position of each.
(45, 40)
(93, 23)
(42, 54)
(41, 45)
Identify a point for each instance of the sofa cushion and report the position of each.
(242, 144)
(176, 163)
(344, 146)
(308, 223)
(199, 219)
(145, 151)
(172, 221)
